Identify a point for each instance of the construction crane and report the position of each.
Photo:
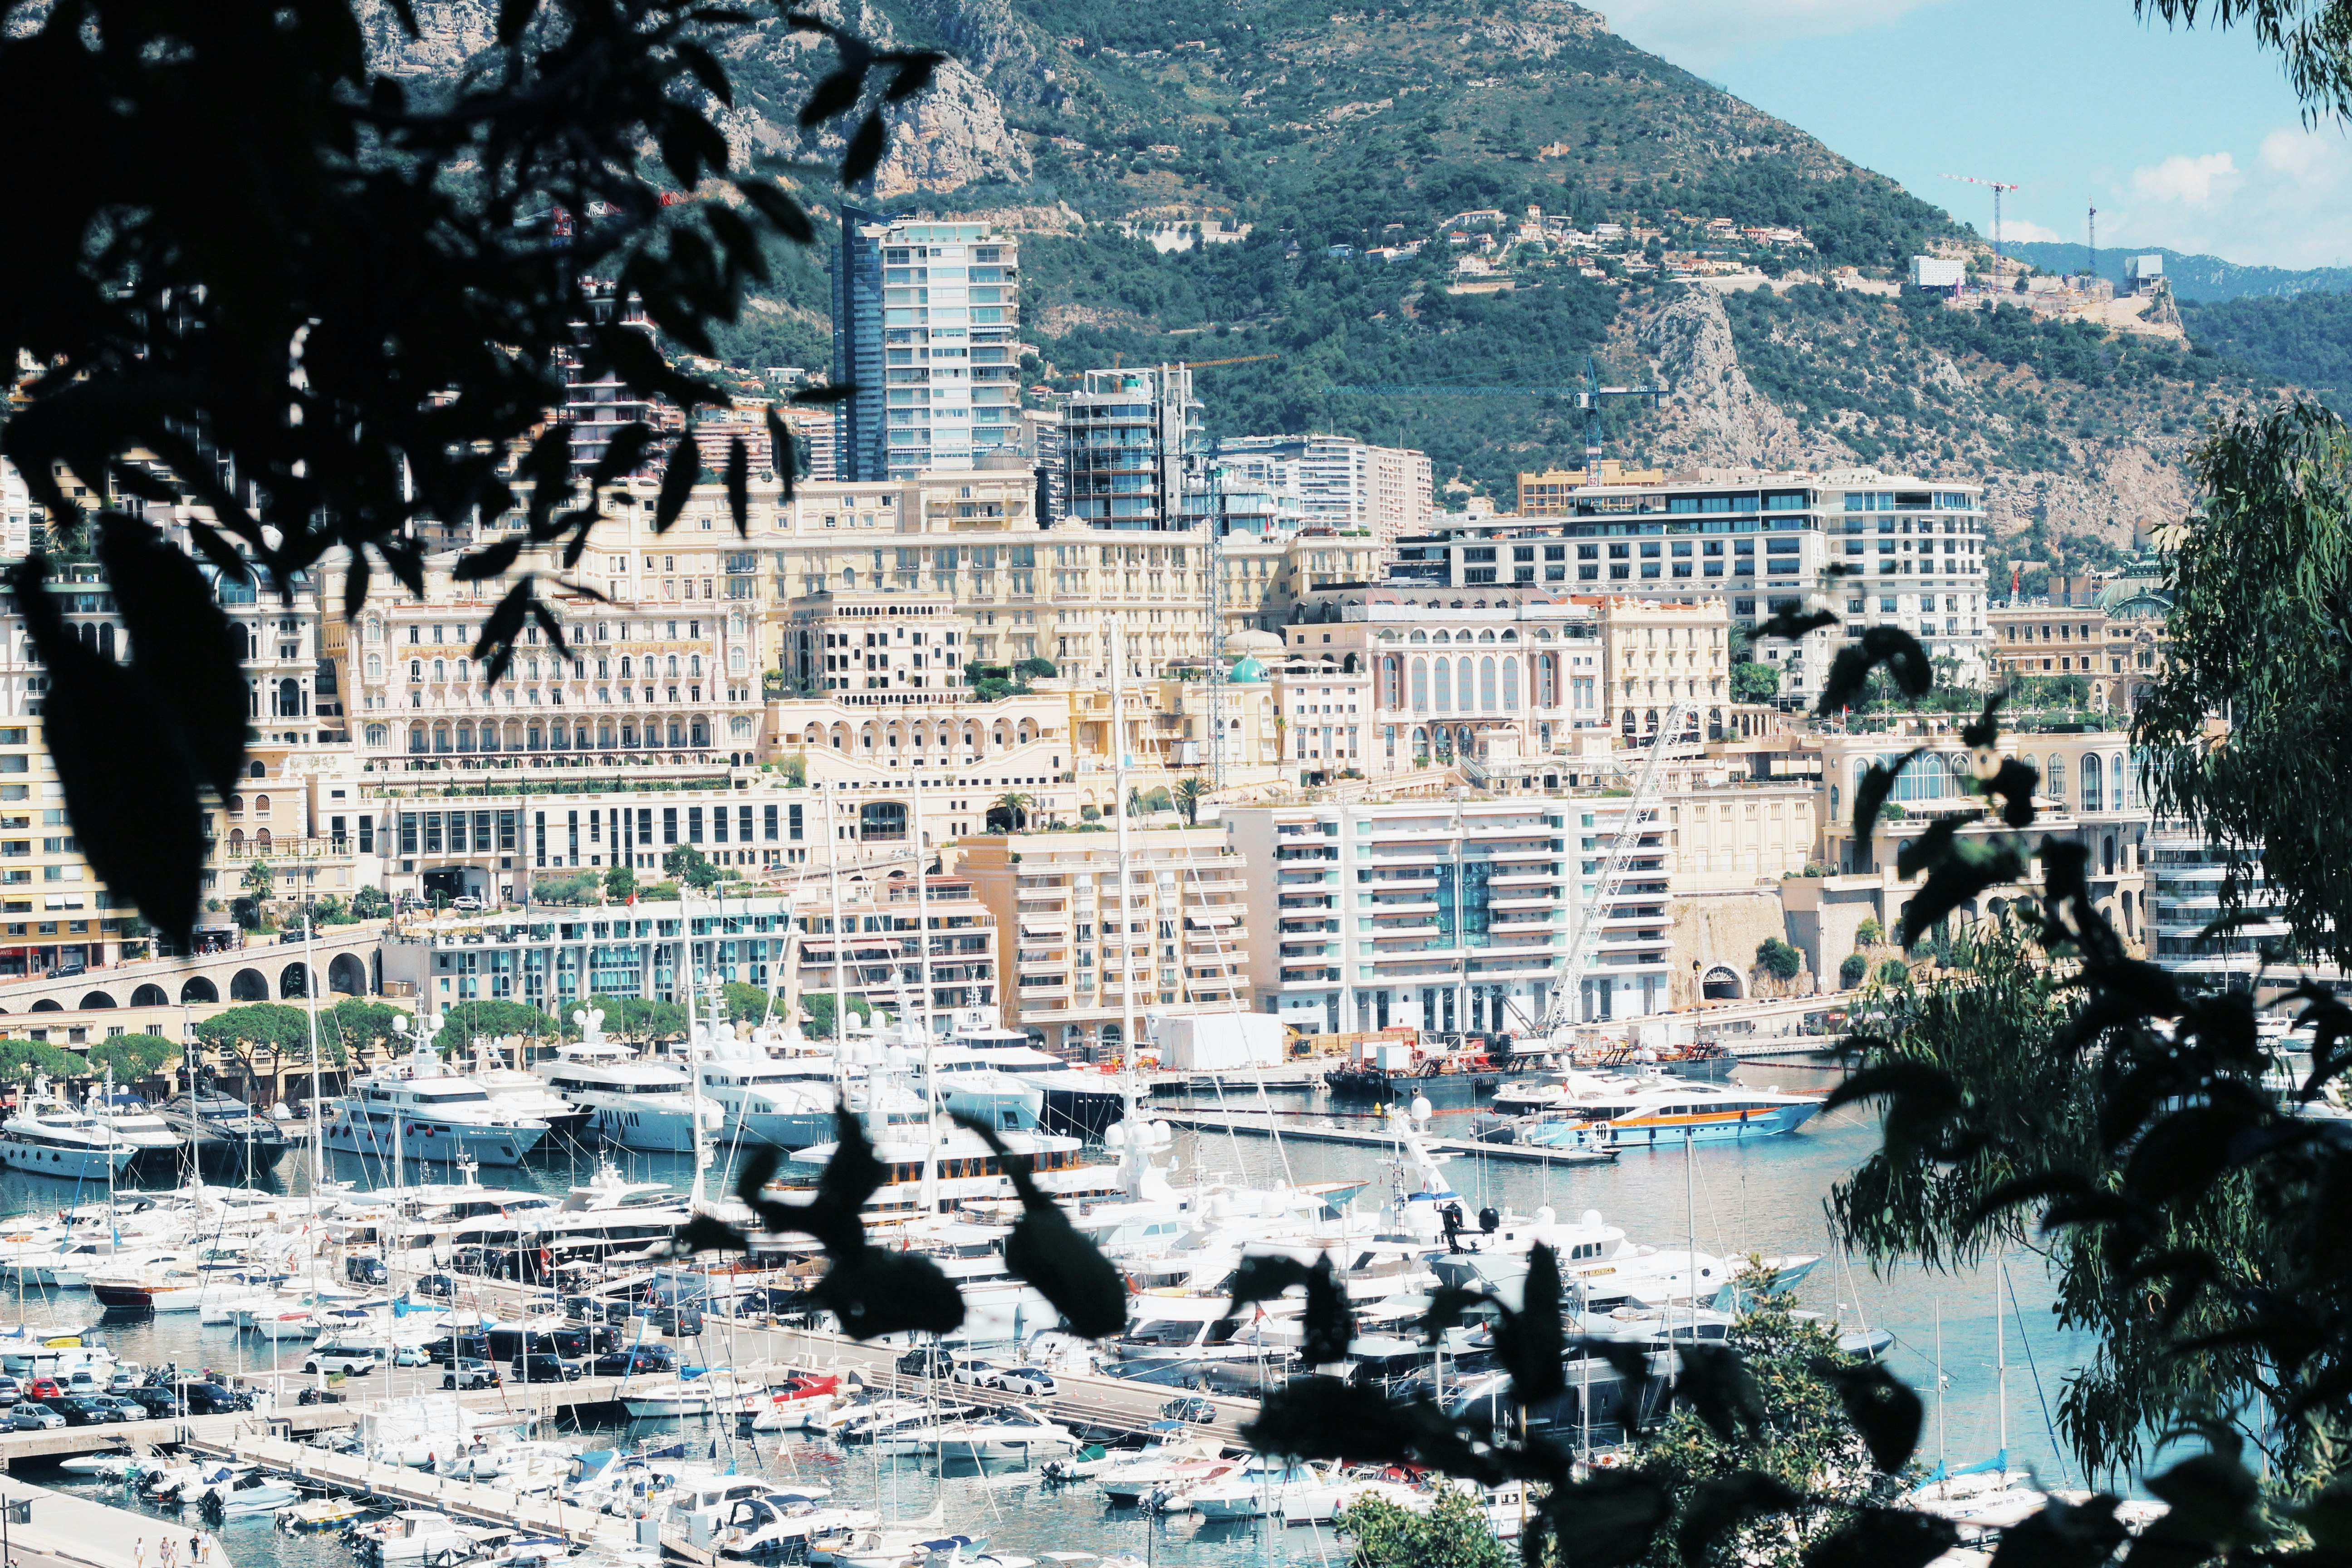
(1997, 188)
(1639, 808)
(1587, 398)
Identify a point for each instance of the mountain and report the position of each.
(2305, 340)
(1334, 142)
(2200, 279)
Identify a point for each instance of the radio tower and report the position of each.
(2091, 239)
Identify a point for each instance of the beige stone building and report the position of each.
(1077, 956)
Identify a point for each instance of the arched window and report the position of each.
(701, 732)
(535, 739)
(441, 738)
(1486, 694)
(673, 664)
(417, 670)
(464, 737)
(738, 727)
(735, 661)
(489, 737)
(1390, 681)
(1462, 671)
(2092, 791)
(2122, 782)
(440, 670)
(2054, 784)
(377, 735)
(374, 631)
(693, 664)
(1445, 685)
(376, 666)
(416, 737)
(1420, 684)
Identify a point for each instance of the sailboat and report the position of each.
(1987, 1495)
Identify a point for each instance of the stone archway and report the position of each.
(1720, 984)
(294, 981)
(248, 985)
(347, 974)
(151, 996)
(95, 1000)
(199, 989)
(47, 1005)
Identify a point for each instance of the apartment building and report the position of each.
(2115, 643)
(1083, 953)
(555, 958)
(886, 924)
(1911, 551)
(2186, 871)
(1127, 439)
(893, 650)
(18, 514)
(1454, 915)
(925, 319)
(1338, 483)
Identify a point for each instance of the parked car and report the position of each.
(465, 901)
(1033, 1381)
(124, 1382)
(216, 1399)
(364, 1269)
(411, 1356)
(11, 1391)
(469, 1371)
(1191, 1407)
(543, 1369)
(448, 1345)
(926, 1361)
(627, 1364)
(44, 1388)
(33, 1417)
(971, 1369)
(80, 1412)
(125, 1408)
(159, 1404)
(439, 1286)
(345, 1359)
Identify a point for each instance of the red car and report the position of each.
(45, 1388)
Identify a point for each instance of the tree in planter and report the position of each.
(1779, 959)
(1017, 806)
(1755, 681)
(261, 882)
(1852, 969)
(1035, 670)
(1189, 791)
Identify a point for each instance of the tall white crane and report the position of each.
(1997, 188)
(1639, 808)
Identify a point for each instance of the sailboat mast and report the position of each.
(2000, 1362)
(693, 1059)
(1943, 1460)
(840, 939)
(922, 916)
(1690, 1222)
(310, 1002)
(1119, 792)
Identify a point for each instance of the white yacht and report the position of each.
(48, 1136)
(772, 1088)
(414, 1108)
(153, 1145)
(519, 1092)
(1076, 1100)
(633, 1103)
(941, 1165)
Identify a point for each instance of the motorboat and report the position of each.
(1664, 1112)
(931, 1164)
(1078, 1102)
(241, 1497)
(1322, 1504)
(154, 1146)
(411, 1110)
(779, 1526)
(897, 1546)
(50, 1138)
(321, 1516)
(158, 1286)
(226, 1134)
(710, 1393)
(417, 1535)
(772, 1089)
(800, 1403)
(527, 1095)
(1254, 1489)
(1163, 1471)
(633, 1103)
(1018, 1433)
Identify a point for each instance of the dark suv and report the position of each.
(624, 1364)
(543, 1369)
(926, 1361)
(216, 1399)
(160, 1401)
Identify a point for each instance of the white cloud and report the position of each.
(2285, 207)
(1706, 35)
(2018, 231)
(2187, 182)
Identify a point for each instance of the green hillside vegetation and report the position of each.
(2305, 340)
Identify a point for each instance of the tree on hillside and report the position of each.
(257, 1025)
(23, 1060)
(1754, 682)
(371, 904)
(357, 1024)
(1779, 959)
(633, 1018)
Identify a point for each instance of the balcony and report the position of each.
(1521, 878)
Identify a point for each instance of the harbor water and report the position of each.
(1764, 1196)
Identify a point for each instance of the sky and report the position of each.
(2190, 139)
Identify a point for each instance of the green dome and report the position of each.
(1246, 671)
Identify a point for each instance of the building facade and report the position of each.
(1082, 952)
(1338, 483)
(1458, 916)
(1127, 436)
(2115, 643)
(927, 318)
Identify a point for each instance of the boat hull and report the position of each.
(65, 1164)
(648, 1131)
(1085, 1113)
(1651, 1132)
(1441, 1089)
(435, 1143)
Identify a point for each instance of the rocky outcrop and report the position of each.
(1711, 416)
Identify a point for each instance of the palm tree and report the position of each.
(1189, 791)
(1018, 804)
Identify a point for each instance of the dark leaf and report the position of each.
(678, 480)
(790, 219)
(1908, 1081)
(1884, 1412)
(129, 777)
(739, 485)
(2216, 1500)
(1984, 729)
(545, 617)
(705, 69)
(873, 1292)
(496, 646)
(836, 93)
(1329, 1326)
(1316, 1417)
(2021, 1190)
(853, 1175)
(1885, 1537)
(1716, 1507)
(865, 151)
(760, 1165)
(786, 452)
(1871, 790)
(624, 454)
(2063, 1535)
(1609, 1518)
(514, 16)
(705, 1233)
(1915, 856)
(914, 75)
(827, 394)
(488, 561)
(183, 650)
(1631, 1363)
(2014, 785)
(1528, 1342)
(1720, 1388)
(1968, 868)
(1906, 661)
(1047, 1250)
(2328, 1517)
(630, 352)
(2184, 1153)
(1792, 623)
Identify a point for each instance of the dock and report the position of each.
(82, 1531)
(1258, 1125)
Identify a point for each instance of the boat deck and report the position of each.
(1258, 1125)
